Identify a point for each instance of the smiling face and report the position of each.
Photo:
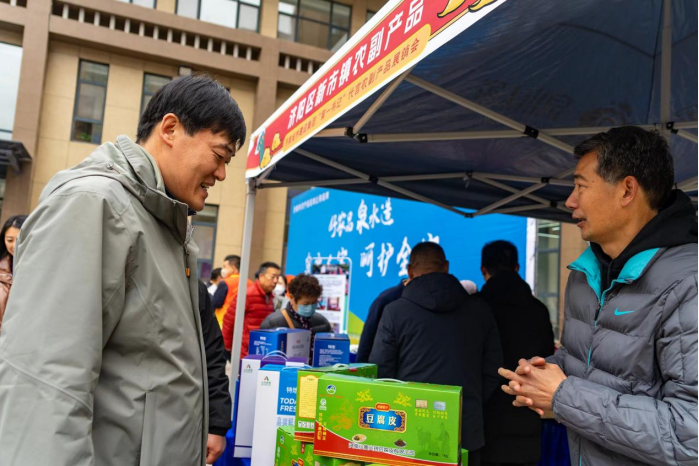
(190, 164)
(594, 203)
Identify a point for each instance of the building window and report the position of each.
(88, 115)
(239, 14)
(143, 3)
(548, 265)
(151, 83)
(369, 14)
(321, 23)
(11, 59)
(205, 238)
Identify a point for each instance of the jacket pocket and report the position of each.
(148, 433)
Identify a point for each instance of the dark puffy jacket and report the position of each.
(317, 323)
(437, 333)
(366, 341)
(220, 406)
(513, 435)
(630, 351)
(258, 305)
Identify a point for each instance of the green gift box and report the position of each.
(307, 389)
(327, 461)
(388, 422)
(291, 452)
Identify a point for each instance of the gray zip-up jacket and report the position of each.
(101, 354)
(631, 393)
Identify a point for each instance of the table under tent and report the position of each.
(478, 104)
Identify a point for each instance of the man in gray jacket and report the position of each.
(625, 381)
(101, 357)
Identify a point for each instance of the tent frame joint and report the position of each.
(670, 126)
(531, 132)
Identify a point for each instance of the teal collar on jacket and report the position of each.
(635, 267)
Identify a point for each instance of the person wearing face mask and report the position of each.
(300, 310)
(9, 234)
(280, 295)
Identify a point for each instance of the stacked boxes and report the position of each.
(295, 343)
(330, 349)
(386, 422)
(289, 451)
(308, 392)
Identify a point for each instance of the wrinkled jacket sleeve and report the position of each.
(492, 357)
(646, 429)
(385, 350)
(67, 297)
(228, 324)
(220, 406)
(220, 295)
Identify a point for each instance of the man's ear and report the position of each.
(446, 267)
(630, 188)
(411, 273)
(517, 268)
(168, 129)
(485, 273)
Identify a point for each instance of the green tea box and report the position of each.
(307, 390)
(388, 422)
(291, 452)
(328, 461)
(463, 462)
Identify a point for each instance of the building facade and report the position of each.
(81, 71)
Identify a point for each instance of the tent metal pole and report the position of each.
(511, 210)
(331, 133)
(317, 183)
(527, 179)
(483, 179)
(242, 284)
(666, 64)
(686, 125)
(690, 184)
(687, 135)
(508, 199)
(380, 101)
(502, 119)
(378, 181)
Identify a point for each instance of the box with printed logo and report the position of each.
(330, 349)
(328, 461)
(249, 367)
(275, 406)
(388, 422)
(304, 424)
(294, 342)
(463, 462)
(291, 452)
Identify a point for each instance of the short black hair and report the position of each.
(427, 256)
(200, 103)
(633, 151)
(234, 260)
(305, 286)
(499, 256)
(267, 265)
(215, 274)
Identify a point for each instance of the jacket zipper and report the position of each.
(190, 232)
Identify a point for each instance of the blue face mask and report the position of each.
(307, 310)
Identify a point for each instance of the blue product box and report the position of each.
(295, 343)
(330, 349)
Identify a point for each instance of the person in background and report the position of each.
(259, 303)
(624, 382)
(512, 435)
(300, 310)
(9, 233)
(220, 406)
(437, 333)
(469, 286)
(280, 293)
(214, 280)
(227, 290)
(366, 341)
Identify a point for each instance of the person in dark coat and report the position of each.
(366, 341)
(300, 311)
(437, 333)
(220, 406)
(512, 435)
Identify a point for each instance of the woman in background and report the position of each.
(9, 233)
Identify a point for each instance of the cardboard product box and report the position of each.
(294, 342)
(328, 461)
(388, 422)
(247, 394)
(291, 452)
(463, 462)
(307, 392)
(275, 406)
(330, 349)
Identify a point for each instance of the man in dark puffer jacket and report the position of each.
(625, 381)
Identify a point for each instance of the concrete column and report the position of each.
(268, 18)
(359, 9)
(35, 45)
